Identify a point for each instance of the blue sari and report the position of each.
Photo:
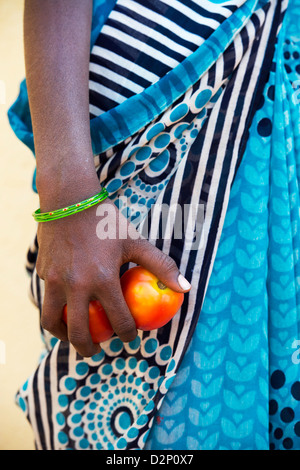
(238, 385)
(216, 121)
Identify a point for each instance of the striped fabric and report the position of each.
(142, 41)
(188, 153)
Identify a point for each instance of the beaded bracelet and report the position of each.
(69, 210)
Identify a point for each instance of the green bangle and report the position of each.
(69, 210)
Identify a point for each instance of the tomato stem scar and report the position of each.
(161, 285)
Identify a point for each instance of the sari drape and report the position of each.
(183, 141)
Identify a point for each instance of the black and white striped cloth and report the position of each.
(140, 42)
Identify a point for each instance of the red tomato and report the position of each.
(150, 302)
(100, 326)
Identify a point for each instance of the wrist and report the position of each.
(72, 209)
(57, 190)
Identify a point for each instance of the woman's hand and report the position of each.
(75, 264)
(78, 266)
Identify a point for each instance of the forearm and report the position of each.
(57, 45)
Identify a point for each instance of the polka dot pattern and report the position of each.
(110, 400)
(238, 385)
(155, 154)
(284, 423)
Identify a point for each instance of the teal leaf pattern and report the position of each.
(241, 372)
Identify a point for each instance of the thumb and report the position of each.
(159, 264)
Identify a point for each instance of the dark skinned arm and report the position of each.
(75, 264)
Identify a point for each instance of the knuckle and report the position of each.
(39, 270)
(132, 244)
(79, 338)
(47, 322)
(138, 244)
(106, 277)
(52, 277)
(128, 250)
(168, 263)
(125, 328)
(86, 353)
(75, 281)
(162, 259)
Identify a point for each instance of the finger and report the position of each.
(159, 264)
(78, 324)
(112, 300)
(51, 317)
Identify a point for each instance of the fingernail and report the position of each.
(183, 282)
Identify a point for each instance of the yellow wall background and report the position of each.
(19, 330)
